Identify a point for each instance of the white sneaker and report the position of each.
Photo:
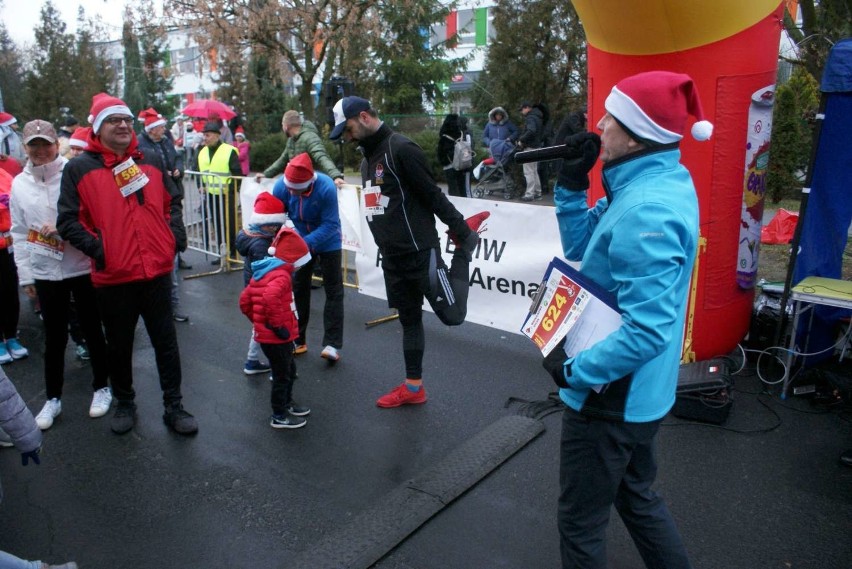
(330, 353)
(52, 408)
(101, 401)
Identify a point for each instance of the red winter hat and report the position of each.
(268, 210)
(290, 248)
(655, 105)
(299, 174)
(79, 136)
(104, 105)
(7, 120)
(152, 119)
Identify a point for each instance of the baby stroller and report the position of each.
(494, 174)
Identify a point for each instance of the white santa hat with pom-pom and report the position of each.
(655, 106)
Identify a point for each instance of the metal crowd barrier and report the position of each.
(212, 218)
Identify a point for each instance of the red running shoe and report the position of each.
(474, 222)
(401, 395)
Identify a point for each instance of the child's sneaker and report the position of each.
(286, 422)
(331, 354)
(15, 348)
(300, 349)
(253, 367)
(401, 395)
(298, 410)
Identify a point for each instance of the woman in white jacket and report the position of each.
(54, 270)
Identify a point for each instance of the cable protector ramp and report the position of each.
(370, 535)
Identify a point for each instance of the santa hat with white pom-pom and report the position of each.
(654, 106)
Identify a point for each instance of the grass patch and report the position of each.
(774, 259)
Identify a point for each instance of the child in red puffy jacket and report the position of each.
(268, 302)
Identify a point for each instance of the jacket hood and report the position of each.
(496, 110)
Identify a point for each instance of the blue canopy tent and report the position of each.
(826, 210)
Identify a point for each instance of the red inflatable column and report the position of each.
(730, 49)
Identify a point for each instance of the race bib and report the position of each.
(374, 201)
(129, 177)
(53, 247)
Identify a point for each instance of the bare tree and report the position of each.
(301, 35)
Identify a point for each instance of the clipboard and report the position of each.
(570, 306)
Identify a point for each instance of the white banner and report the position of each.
(350, 216)
(515, 247)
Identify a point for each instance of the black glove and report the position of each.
(33, 454)
(281, 332)
(554, 363)
(574, 174)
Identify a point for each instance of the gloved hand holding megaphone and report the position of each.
(578, 155)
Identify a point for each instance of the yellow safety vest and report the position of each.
(218, 165)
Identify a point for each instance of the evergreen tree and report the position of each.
(407, 70)
(781, 179)
(92, 74)
(538, 54)
(155, 59)
(46, 83)
(11, 75)
(135, 94)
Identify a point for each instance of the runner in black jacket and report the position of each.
(401, 201)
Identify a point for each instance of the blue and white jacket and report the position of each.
(639, 242)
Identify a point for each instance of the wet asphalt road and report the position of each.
(241, 494)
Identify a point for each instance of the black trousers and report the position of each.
(9, 299)
(458, 182)
(55, 300)
(411, 278)
(332, 283)
(120, 307)
(606, 463)
(280, 358)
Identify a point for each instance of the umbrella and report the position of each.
(202, 108)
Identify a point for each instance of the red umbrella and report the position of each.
(203, 108)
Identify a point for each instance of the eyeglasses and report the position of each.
(116, 121)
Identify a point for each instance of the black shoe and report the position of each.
(183, 265)
(124, 418)
(846, 458)
(216, 262)
(180, 421)
(298, 410)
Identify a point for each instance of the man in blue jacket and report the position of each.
(639, 242)
(311, 203)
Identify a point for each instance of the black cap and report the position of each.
(525, 104)
(212, 126)
(70, 121)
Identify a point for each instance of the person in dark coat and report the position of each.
(453, 128)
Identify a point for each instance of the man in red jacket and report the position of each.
(120, 208)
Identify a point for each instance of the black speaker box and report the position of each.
(703, 393)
